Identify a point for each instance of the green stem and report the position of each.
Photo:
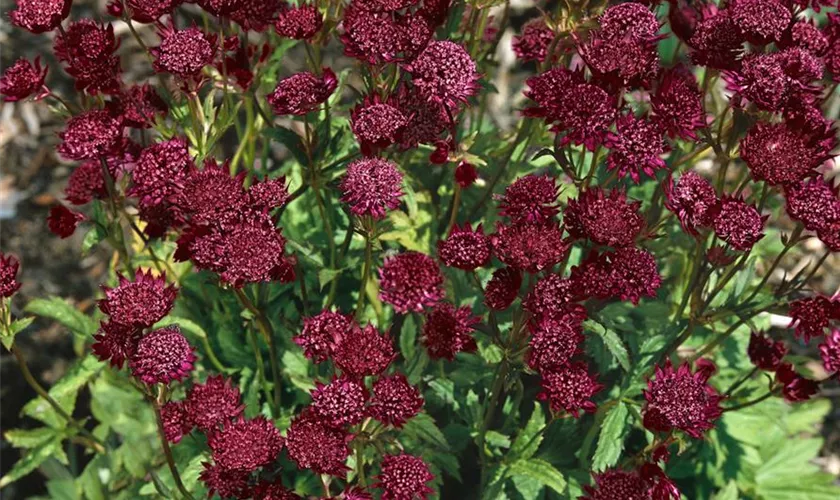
(453, 211)
(794, 239)
(741, 381)
(754, 401)
(365, 272)
(167, 451)
(267, 332)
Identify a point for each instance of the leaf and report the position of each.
(29, 438)
(530, 437)
(93, 237)
(64, 392)
(728, 492)
(424, 428)
(31, 460)
(17, 326)
(291, 140)
(62, 312)
(613, 343)
(326, 275)
(296, 367)
(540, 470)
(611, 438)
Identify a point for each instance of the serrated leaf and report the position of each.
(424, 428)
(611, 438)
(64, 392)
(530, 437)
(540, 470)
(497, 440)
(17, 326)
(613, 343)
(62, 312)
(31, 460)
(29, 438)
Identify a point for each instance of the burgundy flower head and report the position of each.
(373, 37)
(532, 198)
(502, 288)
(372, 187)
(40, 16)
(161, 171)
(635, 147)
(716, 42)
(464, 248)
(140, 303)
(613, 484)
(142, 11)
(404, 476)
(385, 5)
(692, 199)
(184, 53)
(426, 119)
(339, 403)
(628, 273)
(162, 356)
(256, 15)
(795, 387)
(299, 23)
(830, 352)
(228, 483)
(775, 81)
(811, 316)
(90, 135)
(322, 332)
(211, 195)
(448, 331)
(682, 400)
(269, 193)
(629, 19)
(176, 423)
(568, 389)
(530, 247)
(265, 490)
(765, 353)
(549, 91)
(213, 404)
(312, 445)
(116, 343)
(9, 284)
(24, 79)
(394, 400)
(532, 44)
(302, 93)
(554, 297)
(621, 62)
(444, 72)
(465, 174)
(805, 35)
(221, 8)
(760, 21)
(604, 218)
(554, 342)
(88, 50)
(62, 221)
(780, 154)
(245, 445)
(363, 352)
(410, 281)
(677, 104)
(140, 106)
(738, 223)
(815, 203)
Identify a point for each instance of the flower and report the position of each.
(245, 444)
(339, 403)
(221, 8)
(628, 19)
(716, 41)
(815, 203)
(62, 221)
(265, 490)
(210, 195)
(604, 218)
(394, 400)
(775, 81)
(447, 331)
(377, 124)
(88, 50)
(677, 104)
(682, 400)
(503, 288)
(830, 236)
(737, 223)
(40, 16)
(322, 332)
(554, 297)
(86, 183)
(628, 273)
(269, 194)
(811, 316)
(465, 174)
(226, 482)
(585, 116)
(404, 476)
(410, 281)
(621, 62)
(385, 5)
(372, 187)
(795, 387)
(312, 445)
(364, 351)
(532, 198)
(378, 37)
(765, 353)
(569, 388)
(140, 106)
(162, 356)
(549, 90)
(426, 119)
(140, 303)
(90, 135)
(184, 53)
(444, 72)
(302, 93)
(161, 171)
(760, 21)
(553, 343)
(532, 44)
(116, 343)
(9, 284)
(256, 15)
(176, 423)
(635, 146)
(613, 484)
(830, 352)
(214, 403)
(529, 247)
(464, 248)
(692, 199)
(805, 35)
(24, 79)
(142, 11)
(299, 23)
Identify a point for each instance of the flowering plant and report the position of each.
(341, 276)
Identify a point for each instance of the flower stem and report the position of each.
(365, 270)
(794, 239)
(741, 381)
(167, 451)
(267, 331)
(755, 401)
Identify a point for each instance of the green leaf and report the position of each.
(326, 275)
(728, 492)
(31, 460)
(59, 310)
(291, 140)
(540, 470)
(29, 438)
(64, 392)
(611, 438)
(93, 237)
(408, 337)
(530, 437)
(613, 343)
(17, 326)
(296, 367)
(423, 428)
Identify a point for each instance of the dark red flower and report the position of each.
(613, 484)
(364, 351)
(142, 11)
(760, 21)
(568, 389)
(529, 247)
(830, 352)
(40, 16)
(404, 477)
(621, 62)
(213, 404)
(830, 236)
(385, 5)
(381, 37)
(465, 174)
(635, 147)
(815, 203)
(777, 80)
(339, 403)
(554, 297)
(464, 248)
(780, 154)
(256, 15)
(221, 8)
(795, 387)
(226, 482)
(661, 486)
(161, 171)
(604, 218)
(90, 135)
(265, 490)
(184, 53)
(245, 445)
(312, 445)
(176, 423)
(394, 400)
(372, 187)
(300, 23)
(140, 106)
(716, 42)
(738, 223)
(426, 119)
(211, 195)
(549, 91)
(805, 35)
(444, 72)
(677, 104)
(88, 50)
(162, 356)
(692, 199)
(9, 284)
(628, 273)
(811, 316)
(269, 194)
(322, 332)
(532, 44)
(116, 343)
(447, 331)
(62, 221)
(766, 353)
(532, 198)
(629, 19)
(377, 124)
(554, 342)
(682, 400)
(503, 288)
(24, 79)
(140, 303)
(585, 116)
(302, 93)
(410, 281)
